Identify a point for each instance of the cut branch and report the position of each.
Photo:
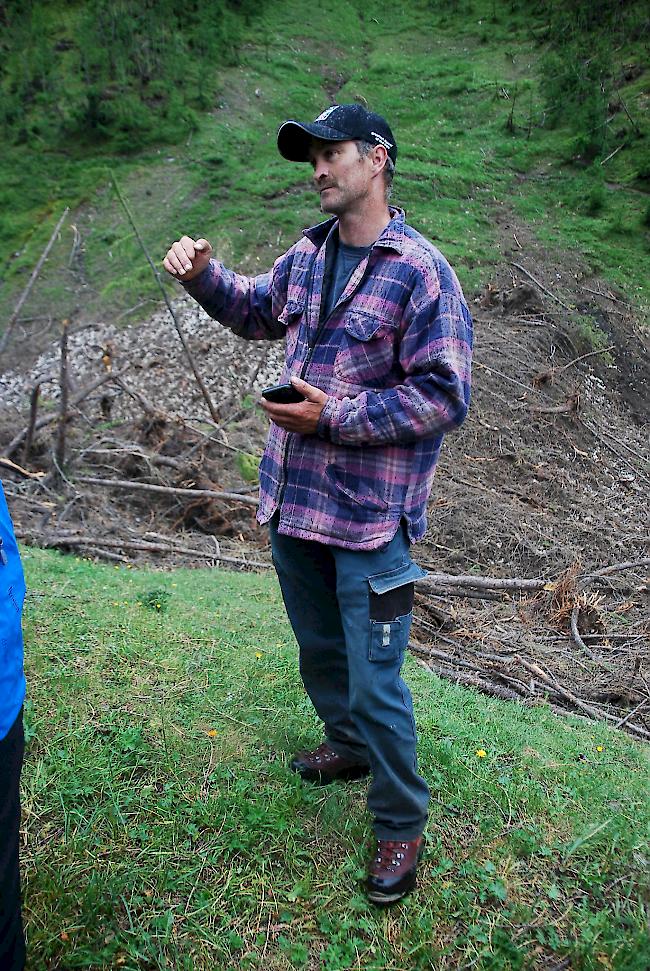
(481, 583)
(168, 490)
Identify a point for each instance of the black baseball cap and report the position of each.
(338, 123)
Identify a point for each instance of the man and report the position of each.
(12, 742)
(378, 341)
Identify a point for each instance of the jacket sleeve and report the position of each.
(249, 306)
(435, 356)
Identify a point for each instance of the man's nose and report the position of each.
(320, 170)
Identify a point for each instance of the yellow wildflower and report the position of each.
(481, 753)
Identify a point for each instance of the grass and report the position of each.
(455, 82)
(164, 830)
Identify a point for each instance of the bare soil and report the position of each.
(547, 479)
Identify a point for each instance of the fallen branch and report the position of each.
(8, 464)
(574, 700)
(569, 406)
(481, 583)
(541, 286)
(614, 568)
(168, 490)
(140, 545)
(48, 419)
(4, 340)
(612, 154)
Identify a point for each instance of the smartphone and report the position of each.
(283, 394)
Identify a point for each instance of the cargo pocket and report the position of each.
(391, 608)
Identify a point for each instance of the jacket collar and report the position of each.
(392, 236)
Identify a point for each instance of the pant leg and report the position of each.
(12, 942)
(307, 575)
(375, 596)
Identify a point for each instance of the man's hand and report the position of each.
(302, 417)
(187, 258)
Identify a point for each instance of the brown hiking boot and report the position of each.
(391, 874)
(323, 765)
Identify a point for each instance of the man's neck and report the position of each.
(363, 228)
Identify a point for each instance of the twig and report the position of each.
(145, 404)
(631, 714)
(583, 357)
(541, 286)
(598, 293)
(8, 464)
(156, 273)
(612, 154)
(4, 340)
(168, 490)
(48, 419)
(614, 568)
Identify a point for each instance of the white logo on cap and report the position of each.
(325, 114)
(382, 141)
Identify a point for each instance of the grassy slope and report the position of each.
(447, 83)
(164, 830)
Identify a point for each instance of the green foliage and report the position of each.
(248, 466)
(124, 73)
(578, 70)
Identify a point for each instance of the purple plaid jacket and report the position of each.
(394, 356)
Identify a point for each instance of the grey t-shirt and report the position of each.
(346, 261)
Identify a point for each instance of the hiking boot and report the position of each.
(391, 874)
(323, 765)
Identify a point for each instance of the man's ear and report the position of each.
(379, 156)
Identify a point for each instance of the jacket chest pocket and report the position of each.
(291, 317)
(367, 350)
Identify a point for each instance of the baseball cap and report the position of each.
(338, 123)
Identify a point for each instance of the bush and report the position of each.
(124, 72)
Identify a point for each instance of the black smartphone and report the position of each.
(283, 394)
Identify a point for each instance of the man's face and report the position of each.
(341, 176)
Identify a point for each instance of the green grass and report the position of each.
(449, 85)
(164, 830)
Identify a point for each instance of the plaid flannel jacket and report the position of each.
(394, 356)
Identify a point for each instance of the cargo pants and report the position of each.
(351, 613)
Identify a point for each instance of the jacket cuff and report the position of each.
(329, 420)
(199, 283)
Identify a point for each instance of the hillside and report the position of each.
(164, 698)
(548, 475)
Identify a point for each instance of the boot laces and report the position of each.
(390, 854)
